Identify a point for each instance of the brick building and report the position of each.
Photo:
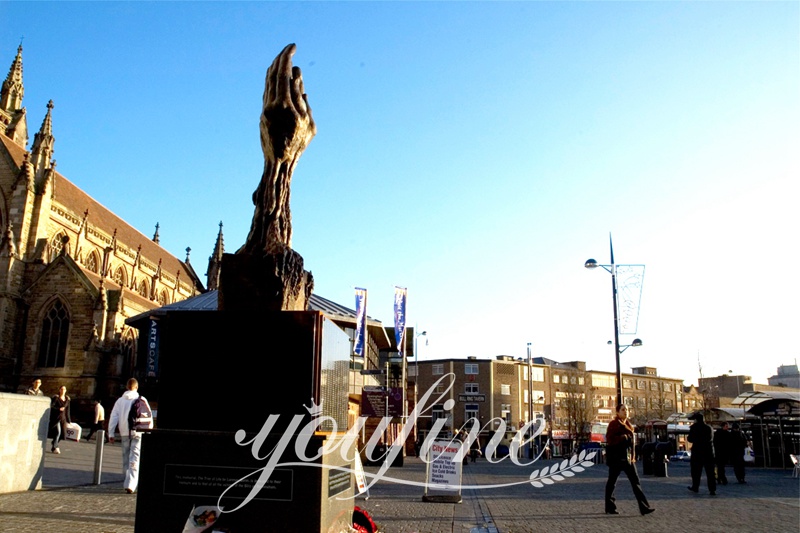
(71, 271)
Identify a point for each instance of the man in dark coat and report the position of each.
(620, 458)
(722, 452)
(700, 436)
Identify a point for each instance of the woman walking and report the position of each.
(620, 458)
(59, 417)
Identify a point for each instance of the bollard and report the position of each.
(98, 456)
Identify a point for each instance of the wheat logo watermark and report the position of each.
(431, 450)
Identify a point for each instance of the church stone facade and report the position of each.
(71, 271)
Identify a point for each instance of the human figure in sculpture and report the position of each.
(286, 129)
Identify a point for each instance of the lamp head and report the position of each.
(590, 263)
(636, 342)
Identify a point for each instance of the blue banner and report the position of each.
(361, 321)
(400, 297)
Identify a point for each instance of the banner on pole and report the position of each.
(361, 321)
(400, 297)
(629, 295)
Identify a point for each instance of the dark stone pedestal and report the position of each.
(220, 372)
(183, 471)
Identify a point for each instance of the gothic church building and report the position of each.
(71, 271)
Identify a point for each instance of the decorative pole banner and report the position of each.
(400, 297)
(629, 291)
(361, 321)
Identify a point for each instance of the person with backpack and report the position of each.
(131, 414)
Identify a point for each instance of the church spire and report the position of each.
(43, 141)
(215, 262)
(13, 121)
(13, 90)
(156, 238)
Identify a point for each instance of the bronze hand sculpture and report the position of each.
(286, 129)
(265, 273)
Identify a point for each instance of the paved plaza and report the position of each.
(770, 501)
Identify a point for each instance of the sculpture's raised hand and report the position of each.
(286, 122)
(286, 129)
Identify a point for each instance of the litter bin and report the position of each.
(648, 449)
(661, 459)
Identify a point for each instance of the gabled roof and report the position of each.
(78, 202)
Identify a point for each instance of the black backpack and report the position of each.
(140, 417)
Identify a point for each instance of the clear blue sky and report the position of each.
(476, 153)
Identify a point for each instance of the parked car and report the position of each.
(681, 456)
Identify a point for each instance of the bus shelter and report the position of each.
(775, 432)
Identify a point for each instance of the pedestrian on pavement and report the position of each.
(738, 445)
(99, 420)
(475, 450)
(131, 440)
(722, 452)
(35, 390)
(59, 417)
(701, 438)
(620, 442)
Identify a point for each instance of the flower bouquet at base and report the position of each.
(202, 519)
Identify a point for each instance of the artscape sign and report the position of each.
(431, 449)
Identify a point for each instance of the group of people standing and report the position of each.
(711, 451)
(131, 440)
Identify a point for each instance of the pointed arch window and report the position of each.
(93, 262)
(143, 289)
(55, 332)
(128, 350)
(119, 277)
(162, 298)
(56, 245)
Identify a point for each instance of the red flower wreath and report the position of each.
(362, 522)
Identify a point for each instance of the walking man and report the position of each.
(700, 435)
(131, 440)
(620, 458)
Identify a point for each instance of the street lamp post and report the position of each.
(530, 400)
(612, 269)
(416, 376)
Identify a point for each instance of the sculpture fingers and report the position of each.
(299, 103)
(283, 74)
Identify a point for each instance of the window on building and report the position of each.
(573, 380)
(505, 412)
(667, 404)
(56, 245)
(143, 289)
(162, 298)
(437, 412)
(667, 387)
(440, 388)
(54, 335)
(642, 403)
(92, 263)
(471, 411)
(581, 380)
(470, 368)
(537, 373)
(119, 277)
(538, 396)
(471, 388)
(627, 383)
(556, 378)
(654, 385)
(437, 369)
(641, 384)
(629, 401)
(505, 389)
(605, 381)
